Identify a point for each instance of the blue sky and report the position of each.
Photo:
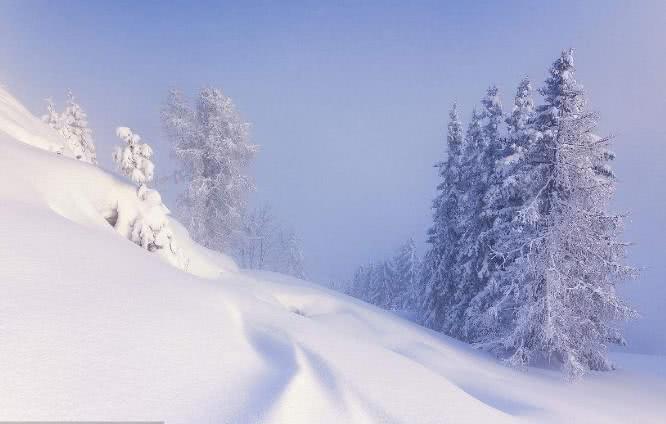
(349, 100)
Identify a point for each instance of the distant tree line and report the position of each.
(390, 284)
(523, 255)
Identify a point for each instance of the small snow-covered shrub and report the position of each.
(143, 219)
(150, 229)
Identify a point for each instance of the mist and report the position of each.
(349, 102)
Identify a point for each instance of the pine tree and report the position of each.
(358, 285)
(481, 239)
(133, 159)
(147, 223)
(381, 283)
(406, 267)
(72, 125)
(488, 316)
(212, 145)
(572, 257)
(465, 277)
(519, 123)
(52, 117)
(372, 284)
(439, 272)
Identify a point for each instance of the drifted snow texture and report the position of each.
(93, 327)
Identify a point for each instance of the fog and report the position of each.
(349, 102)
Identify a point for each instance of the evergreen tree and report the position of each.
(438, 274)
(391, 284)
(133, 159)
(406, 267)
(358, 284)
(519, 123)
(382, 285)
(52, 117)
(490, 199)
(375, 284)
(473, 262)
(488, 316)
(72, 125)
(571, 257)
(464, 280)
(371, 283)
(213, 147)
(148, 224)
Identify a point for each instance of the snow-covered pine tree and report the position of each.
(489, 315)
(572, 256)
(465, 277)
(133, 159)
(383, 287)
(371, 283)
(375, 284)
(213, 147)
(150, 229)
(438, 271)
(148, 224)
(406, 268)
(72, 125)
(358, 285)
(52, 117)
(519, 123)
(481, 240)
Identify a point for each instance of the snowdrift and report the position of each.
(93, 327)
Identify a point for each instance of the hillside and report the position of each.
(94, 327)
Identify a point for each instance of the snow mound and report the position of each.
(19, 124)
(94, 327)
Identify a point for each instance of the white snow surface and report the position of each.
(93, 327)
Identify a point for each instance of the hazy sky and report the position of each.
(349, 101)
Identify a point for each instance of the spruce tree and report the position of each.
(358, 284)
(465, 276)
(380, 284)
(406, 267)
(567, 309)
(480, 239)
(488, 316)
(133, 159)
(438, 279)
(72, 125)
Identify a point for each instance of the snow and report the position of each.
(92, 326)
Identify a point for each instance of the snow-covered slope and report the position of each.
(93, 327)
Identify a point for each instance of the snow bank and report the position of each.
(83, 193)
(19, 124)
(93, 327)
